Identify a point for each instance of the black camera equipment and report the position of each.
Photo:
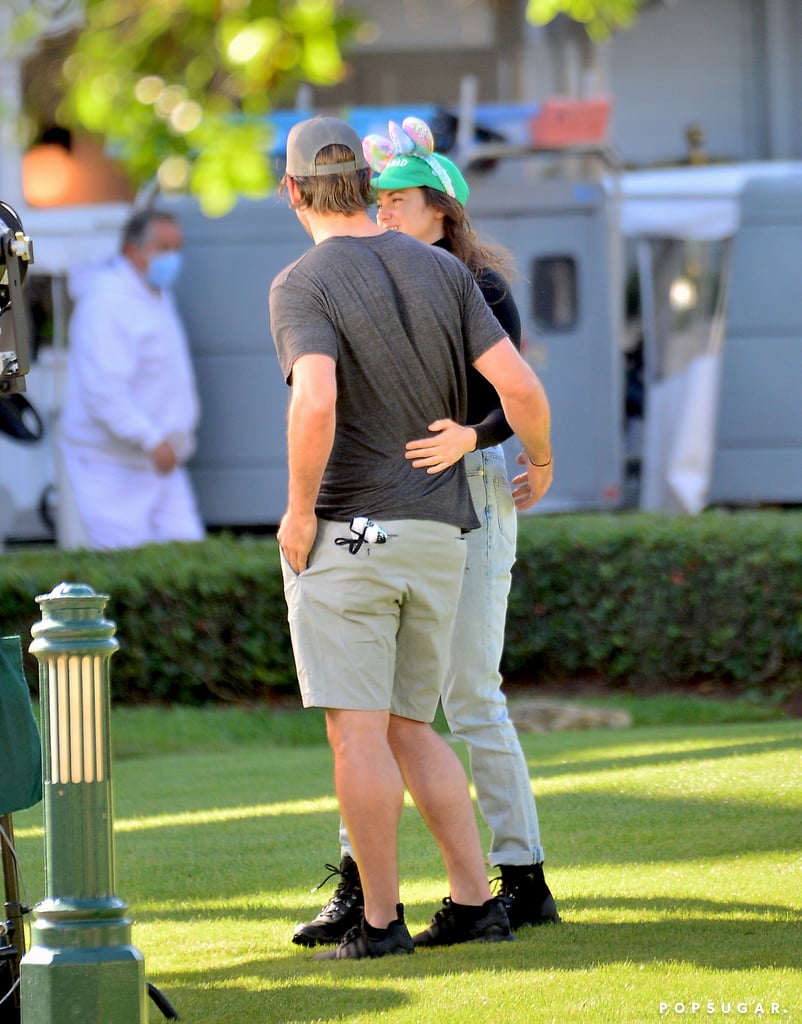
(16, 253)
(364, 531)
(21, 788)
(12, 936)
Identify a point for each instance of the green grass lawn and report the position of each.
(674, 850)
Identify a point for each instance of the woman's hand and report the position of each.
(449, 443)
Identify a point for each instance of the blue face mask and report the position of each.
(164, 268)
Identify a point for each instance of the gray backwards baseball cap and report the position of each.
(307, 138)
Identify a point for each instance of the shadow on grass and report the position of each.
(624, 761)
(651, 829)
(277, 989)
(213, 993)
(686, 913)
(706, 943)
(659, 829)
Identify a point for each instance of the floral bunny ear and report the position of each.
(412, 137)
(420, 134)
(403, 144)
(378, 152)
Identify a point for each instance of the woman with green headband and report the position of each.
(423, 194)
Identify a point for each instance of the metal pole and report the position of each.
(12, 930)
(81, 965)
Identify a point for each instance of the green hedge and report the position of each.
(651, 599)
(634, 598)
(195, 622)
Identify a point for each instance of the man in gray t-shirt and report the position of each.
(386, 307)
(374, 332)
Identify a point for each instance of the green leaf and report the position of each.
(600, 17)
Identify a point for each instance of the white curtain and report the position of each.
(683, 289)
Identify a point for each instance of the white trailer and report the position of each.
(718, 251)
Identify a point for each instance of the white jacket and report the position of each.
(130, 381)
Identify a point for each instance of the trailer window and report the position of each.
(555, 295)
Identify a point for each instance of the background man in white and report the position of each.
(131, 405)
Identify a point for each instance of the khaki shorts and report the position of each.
(371, 631)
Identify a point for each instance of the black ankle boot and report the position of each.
(340, 914)
(526, 895)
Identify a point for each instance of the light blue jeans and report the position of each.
(474, 705)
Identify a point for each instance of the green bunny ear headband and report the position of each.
(407, 160)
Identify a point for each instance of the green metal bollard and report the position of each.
(81, 966)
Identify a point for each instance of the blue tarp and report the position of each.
(509, 120)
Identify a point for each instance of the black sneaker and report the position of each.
(456, 923)
(526, 895)
(340, 914)
(358, 944)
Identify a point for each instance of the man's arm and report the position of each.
(526, 407)
(310, 436)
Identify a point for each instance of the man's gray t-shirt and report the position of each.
(402, 320)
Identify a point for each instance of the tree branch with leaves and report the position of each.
(180, 89)
(600, 17)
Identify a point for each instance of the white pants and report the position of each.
(473, 701)
(121, 507)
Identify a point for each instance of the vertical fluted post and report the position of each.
(81, 966)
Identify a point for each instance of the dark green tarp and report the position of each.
(20, 750)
